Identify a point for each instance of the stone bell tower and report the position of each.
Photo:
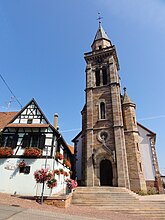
(104, 156)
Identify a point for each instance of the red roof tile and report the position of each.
(5, 118)
(71, 148)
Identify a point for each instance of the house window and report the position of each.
(97, 74)
(33, 140)
(29, 121)
(102, 110)
(9, 141)
(104, 76)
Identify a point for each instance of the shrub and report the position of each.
(152, 191)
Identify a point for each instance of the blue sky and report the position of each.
(41, 55)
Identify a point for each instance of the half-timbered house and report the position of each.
(28, 138)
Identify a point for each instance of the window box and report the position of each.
(6, 151)
(32, 152)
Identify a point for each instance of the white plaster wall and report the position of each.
(79, 158)
(146, 154)
(11, 181)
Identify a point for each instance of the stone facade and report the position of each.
(109, 129)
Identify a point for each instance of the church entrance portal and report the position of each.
(106, 173)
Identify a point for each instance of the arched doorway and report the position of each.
(106, 173)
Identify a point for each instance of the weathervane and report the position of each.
(99, 18)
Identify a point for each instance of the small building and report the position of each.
(34, 142)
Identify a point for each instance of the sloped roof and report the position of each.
(127, 99)
(71, 148)
(77, 136)
(101, 34)
(149, 131)
(6, 117)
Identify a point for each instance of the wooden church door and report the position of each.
(106, 173)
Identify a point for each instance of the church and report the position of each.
(112, 149)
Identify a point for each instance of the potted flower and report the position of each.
(67, 163)
(51, 183)
(6, 151)
(22, 166)
(41, 175)
(59, 156)
(61, 171)
(66, 174)
(32, 152)
(50, 175)
(71, 184)
(57, 172)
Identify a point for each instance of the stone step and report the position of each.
(115, 206)
(101, 189)
(101, 198)
(118, 200)
(121, 207)
(108, 201)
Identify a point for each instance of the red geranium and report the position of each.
(57, 172)
(6, 151)
(67, 163)
(59, 156)
(72, 184)
(32, 152)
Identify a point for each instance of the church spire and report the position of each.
(127, 99)
(101, 39)
(101, 34)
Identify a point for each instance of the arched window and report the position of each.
(102, 110)
(97, 74)
(104, 76)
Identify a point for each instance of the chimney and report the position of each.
(55, 120)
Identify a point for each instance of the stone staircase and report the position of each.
(119, 200)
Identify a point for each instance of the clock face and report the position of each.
(103, 136)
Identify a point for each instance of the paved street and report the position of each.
(17, 213)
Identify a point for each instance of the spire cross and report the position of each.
(99, 18)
